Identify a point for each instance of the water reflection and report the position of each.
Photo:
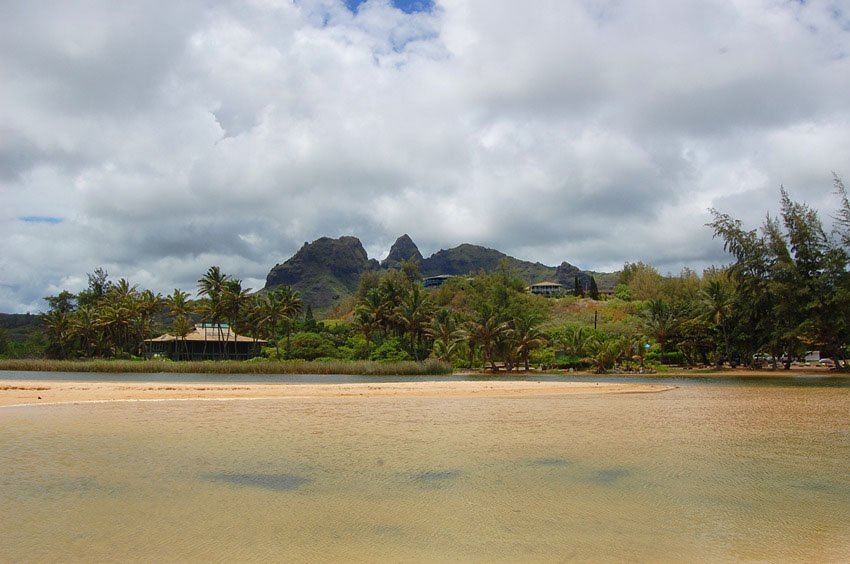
(749, 472)
(552, 461)
(433, 479)
(276, 482)
(610, 475)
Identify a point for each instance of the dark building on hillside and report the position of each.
(435, 281)
(207, 342)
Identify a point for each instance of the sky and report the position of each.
(155, 138)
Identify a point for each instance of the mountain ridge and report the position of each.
(328, 270)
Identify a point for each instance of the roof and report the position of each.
(208, 334)
(548, 284)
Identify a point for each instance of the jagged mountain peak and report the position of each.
(403, 249)
(328, 270)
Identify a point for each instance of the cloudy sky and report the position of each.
(156, 138)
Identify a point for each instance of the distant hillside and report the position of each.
(19, 326)
(324, 271)
(328, 270)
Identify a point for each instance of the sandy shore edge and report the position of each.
(23, 393)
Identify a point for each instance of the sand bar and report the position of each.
(19, 392)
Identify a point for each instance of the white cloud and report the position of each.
(172, 136)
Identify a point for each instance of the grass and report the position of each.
(356, 367)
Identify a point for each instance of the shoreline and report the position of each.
(21, 393)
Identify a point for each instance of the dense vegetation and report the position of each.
(364, 368)
(786, 291)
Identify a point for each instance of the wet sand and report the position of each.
(18, 392)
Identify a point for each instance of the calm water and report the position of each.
(708, 472)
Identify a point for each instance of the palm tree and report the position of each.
(660, 322)
(372, 307)
(392, 291)
(444, 330)
(527, 336)
(84, 325)
(366, 322)
(147, 305)
(290, 305)
(211, 285)
(212, 282)
(486, 329)
(58, 324)
(234, 300)
(114, 318)
(413, 314)
(605, 354)
(180, 327)
(716, 301)
(178, 303)
(180, 308)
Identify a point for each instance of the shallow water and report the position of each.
(708, 472)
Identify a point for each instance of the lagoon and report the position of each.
(710, 471)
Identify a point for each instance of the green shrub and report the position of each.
(390, 350)
(307, 345)
(566, 362)
(672, 357)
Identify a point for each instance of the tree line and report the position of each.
(113, 319)
(785, 291)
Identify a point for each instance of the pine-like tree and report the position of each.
(594, 291)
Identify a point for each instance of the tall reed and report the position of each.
(355, 367)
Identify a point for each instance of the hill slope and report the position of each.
(328, 270)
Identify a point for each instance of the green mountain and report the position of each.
(19, 327)
(469, 259)
(328, 270)
(324, 271)
(403, 249)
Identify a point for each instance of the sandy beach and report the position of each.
(18, 392)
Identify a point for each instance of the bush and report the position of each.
(390, 350)
(673, 357)
(307, 345)
(354, 348)
(566, 362)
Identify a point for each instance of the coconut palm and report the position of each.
(84, 325)
(660, 321)
(180, 308)
(487, 330)
(413, 314)
(211, 286)
(367, 324)
(444, 330)
(372, 307)
(716, 300)
(605, 354)
(147, 305)
(59, 330)
(178, 303)
(290, 305)
(234, 301)
(527, 336)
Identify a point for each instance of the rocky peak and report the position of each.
(403, 249)
(567, 273)
(340, 261)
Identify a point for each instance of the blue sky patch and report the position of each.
(41, 219)
(406, 6)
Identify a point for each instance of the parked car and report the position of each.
(827, 362)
